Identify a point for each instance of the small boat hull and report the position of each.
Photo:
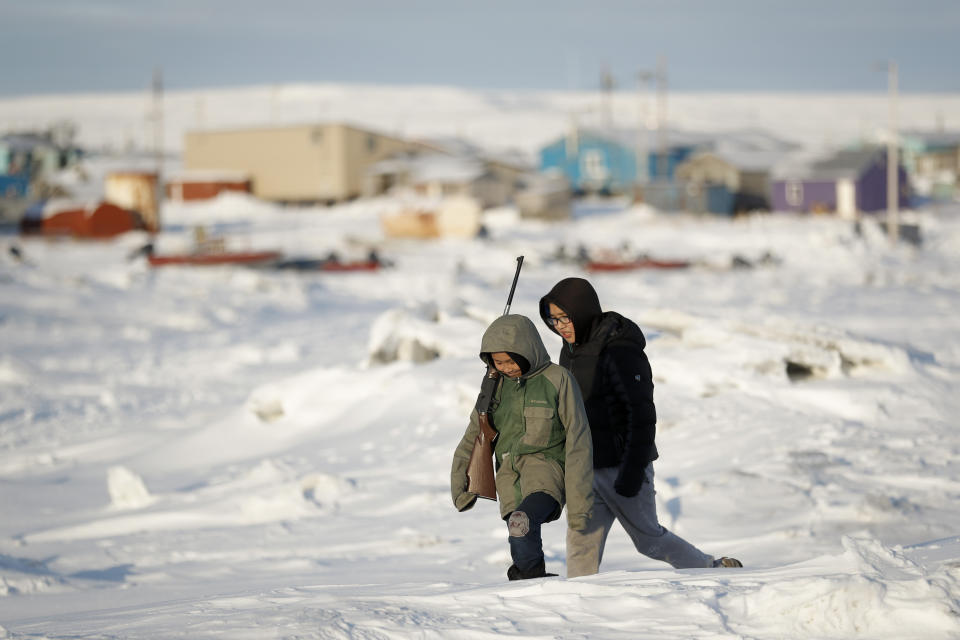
(633, 265)
(213, 259)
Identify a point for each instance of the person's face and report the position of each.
(562, 323)
(505, 364)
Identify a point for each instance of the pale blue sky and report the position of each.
(49, 46)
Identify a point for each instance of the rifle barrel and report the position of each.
(513, 287)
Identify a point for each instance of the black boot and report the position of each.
(537, 571)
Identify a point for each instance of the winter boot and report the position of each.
(537, 571)
(727, 563)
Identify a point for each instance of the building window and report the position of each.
(794, 193)
(371, 144)
(593, 165)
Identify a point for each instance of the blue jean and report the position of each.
(526, 545)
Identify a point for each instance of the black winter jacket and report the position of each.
(614, 375)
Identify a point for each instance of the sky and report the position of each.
(66, 46)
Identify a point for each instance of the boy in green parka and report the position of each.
(543, 452)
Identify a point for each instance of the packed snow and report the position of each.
(226, 452)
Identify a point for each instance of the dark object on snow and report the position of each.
(766, 260)
(727, 563)
(539, 571)
(328, 264)
(145, 251)
(909, 233)
(16, 253)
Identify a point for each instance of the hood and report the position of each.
(515, 334)
(579, 300)
(614, 327)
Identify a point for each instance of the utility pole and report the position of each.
(661, 75)
(893, 161)
(606, 87)
(643, 127)
(158, 144)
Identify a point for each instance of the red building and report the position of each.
(203, 185)
(66, 218)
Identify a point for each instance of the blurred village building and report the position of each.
(452, 180)
(848, 183)
(462, 181)
(33, 196)
(670, 170)
(304, 164)
(450, 167)
(188, 186)
(27, 160)
(750, 170)
(932, 159)
(445, 185)
(67, 217)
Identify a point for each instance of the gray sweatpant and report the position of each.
(638, 516)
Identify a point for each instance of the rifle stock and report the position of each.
(480, 474)
(482, 480)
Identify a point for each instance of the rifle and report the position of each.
(480, 474)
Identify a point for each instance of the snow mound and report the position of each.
(325, 489)
(19, 576)
(420, 334)
(126, 488)
(826, 352)
(878, 594)
(268, 408)
(15, 371)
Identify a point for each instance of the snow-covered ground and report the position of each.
(239, 453)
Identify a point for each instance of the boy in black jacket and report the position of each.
(605, 353)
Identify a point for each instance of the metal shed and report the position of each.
(295, 164)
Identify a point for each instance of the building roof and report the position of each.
(751, 150)
(933, 140)
(26, 141)
(460, 147)
(207, 175)
(434, 167)
(845, 164)
(43, 209)
(629, 138)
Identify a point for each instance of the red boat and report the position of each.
(362, 265)
(645, 263)
(208, 259)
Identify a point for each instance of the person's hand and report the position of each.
(630, 479)
(464, 500)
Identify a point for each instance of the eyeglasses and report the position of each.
(558, 320)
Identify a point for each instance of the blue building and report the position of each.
(26, 159)
(606, 161)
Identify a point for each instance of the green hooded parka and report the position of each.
(543, 441)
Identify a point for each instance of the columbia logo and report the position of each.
(537, 401)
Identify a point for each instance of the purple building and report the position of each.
(847, 183)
